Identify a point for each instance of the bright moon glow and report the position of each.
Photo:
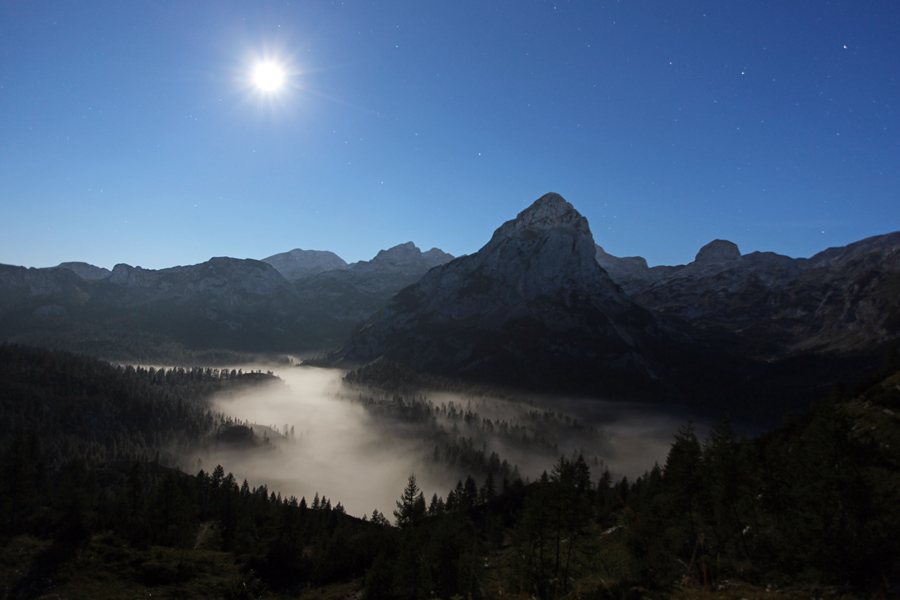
(268, 77)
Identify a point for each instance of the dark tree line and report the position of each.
(87, 408)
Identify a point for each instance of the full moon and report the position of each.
(268, 77)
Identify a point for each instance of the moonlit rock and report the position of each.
(550, 211)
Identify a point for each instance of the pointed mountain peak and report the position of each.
(550, 211)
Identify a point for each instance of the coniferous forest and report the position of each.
(93, 505)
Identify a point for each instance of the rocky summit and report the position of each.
(532, 307)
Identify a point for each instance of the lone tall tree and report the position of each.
(411, 507)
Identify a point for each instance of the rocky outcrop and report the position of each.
(391, 270)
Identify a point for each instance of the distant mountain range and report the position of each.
(295, 302)
(539, 306)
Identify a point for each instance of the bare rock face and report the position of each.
(18, 282)
(436, 257)
(532, 304)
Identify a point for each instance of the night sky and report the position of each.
(133, 131)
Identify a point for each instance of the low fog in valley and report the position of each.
(358, 448)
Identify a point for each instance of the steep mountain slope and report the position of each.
(532, 307)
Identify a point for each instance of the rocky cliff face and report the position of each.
(532, 306)
(404, 257)
(628, 271)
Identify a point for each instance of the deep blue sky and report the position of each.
(129, 131)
